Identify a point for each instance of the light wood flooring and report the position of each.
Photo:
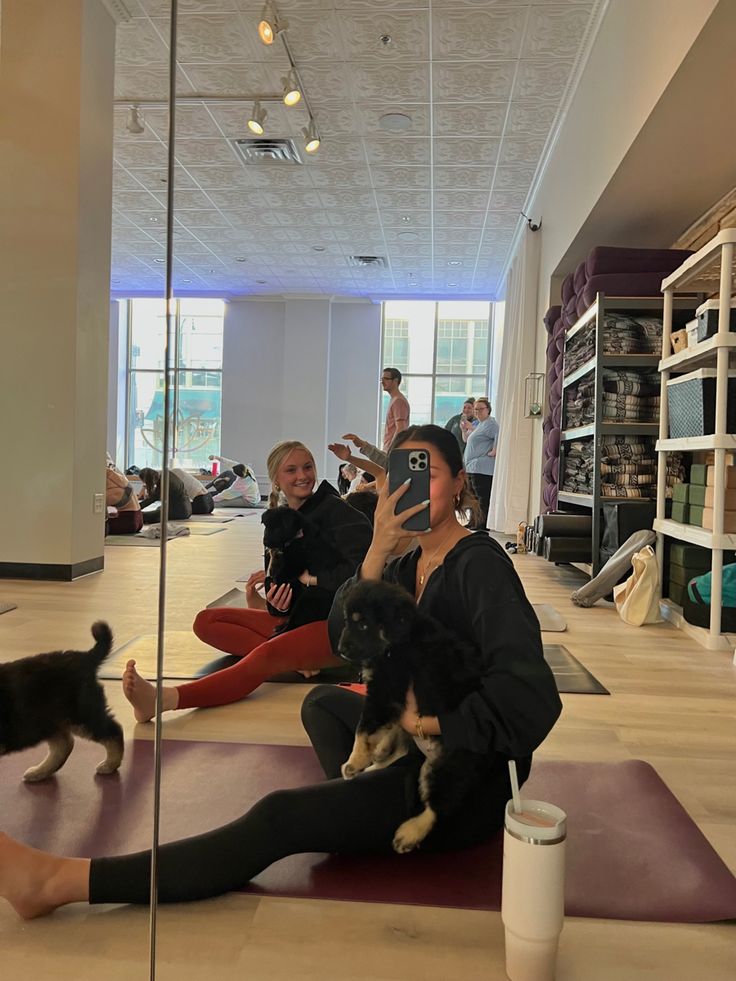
(673, 704)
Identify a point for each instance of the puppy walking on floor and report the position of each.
(54, 697)
(401, 648)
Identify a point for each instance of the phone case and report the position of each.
(413, 464)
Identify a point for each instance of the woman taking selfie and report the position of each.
(468, 583)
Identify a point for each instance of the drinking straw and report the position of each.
(515, 787)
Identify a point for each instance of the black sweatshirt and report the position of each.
(477, 594)
(342, 527)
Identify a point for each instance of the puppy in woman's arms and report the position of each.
(399, 647)
(54, 697)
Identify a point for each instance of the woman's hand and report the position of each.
(253, 599)
(306, 578)
(356, 441)
(280, 597)
(341, 451)
(410, 715)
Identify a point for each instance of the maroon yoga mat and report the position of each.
(633, 852)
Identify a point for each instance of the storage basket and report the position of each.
(691, 404)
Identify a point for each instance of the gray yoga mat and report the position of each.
(7, 607)
(214, 519)
(549, 619)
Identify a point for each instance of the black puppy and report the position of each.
(399, 646)
(54, 697)
(292, 547)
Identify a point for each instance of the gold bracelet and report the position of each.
(420, 730)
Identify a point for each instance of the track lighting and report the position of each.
(257, 119)
(134, 121)
(270, 24)
(292, 91)
(311, 137)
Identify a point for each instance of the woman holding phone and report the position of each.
(468, 583)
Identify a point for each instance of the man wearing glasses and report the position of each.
(397, 417)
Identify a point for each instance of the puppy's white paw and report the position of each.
(108, 766)
(35, 774)
(412, 833)
(349, 771)
(404, 841)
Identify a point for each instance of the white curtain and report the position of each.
(511, 480)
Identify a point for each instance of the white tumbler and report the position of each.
(533, 894)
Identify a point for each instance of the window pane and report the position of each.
(451, 392)
(409, 336)
(145, 418)
(201, 333)
(462, 332)
(198, 421)
(147, 333)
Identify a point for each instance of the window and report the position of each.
(442, 350)
(197, 392)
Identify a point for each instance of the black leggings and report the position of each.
(203, 504)
(338, 816)
(481, 484)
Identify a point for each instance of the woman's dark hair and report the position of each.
(239, 470)
(449, 449)
(343, 484)
(151, 480)
(367, 478)
(363, 501)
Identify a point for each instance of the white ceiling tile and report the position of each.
(191, 122)
(339, 177)
(501, 221)
(509, 200)
(520, 151)
(218, 178)
(465, 151)
(541, 81)
(134, 156)
(234, 79)
(401, 177)
(463, 236)
(461, 200)
(513, 177)
(463, 177)
(205, 152)
(202, 219)
(337, 152)
(213, 38)
(278, 178)
(139, 200)
(347, 199)
(468, 33)
(459, 219)
(398, 151)
(139, 45)
(144, 82)
(188, 200)
(387, 83)
(480, 120)
(473, 81)
(417, 219)
(251, 218)
(353, 219)
(533, 121)
(313, 35)
(368, 115)
(404, 200)
(555, 30)
(408, 31)
(325, 81)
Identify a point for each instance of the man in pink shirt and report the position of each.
(397, 417)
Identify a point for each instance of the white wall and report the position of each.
(302, 368)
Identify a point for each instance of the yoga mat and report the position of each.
(234, 513)
(549, 619)
(632, 851)
(184, 656)
(233, 597)
(7, 607)
(139, 540)
(571, 677)
(212, 518)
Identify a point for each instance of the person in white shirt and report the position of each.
(202, 501)
(243, 493)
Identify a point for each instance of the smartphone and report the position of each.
(414, 466)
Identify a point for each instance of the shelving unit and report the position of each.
(710, 269)
(594, 318)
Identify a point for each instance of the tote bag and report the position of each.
(637, 599)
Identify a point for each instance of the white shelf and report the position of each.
(704, 351)
(584, 369)
(569, 497)
(703, 268)
(672, 613)
(689, 444)
(578, 432)
(693, 534)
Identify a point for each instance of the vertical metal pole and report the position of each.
(663, 431)
(175, 413)
(168, 346)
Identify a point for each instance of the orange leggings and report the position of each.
(249, 633)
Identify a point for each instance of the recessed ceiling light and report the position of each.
(186, 281)
(153, 219)
(159, 260)
(319, 248)
(454, 262)
(395, 122)
(407, 236)
(240, 258)
(453, 284)
(406, 218)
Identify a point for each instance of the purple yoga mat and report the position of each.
(633, 852)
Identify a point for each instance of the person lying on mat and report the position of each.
(244, 492)
(468, 583)
(119, 494)
(180, 504)
(249, 633)
(201, 498)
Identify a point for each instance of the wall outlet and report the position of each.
(99, 503)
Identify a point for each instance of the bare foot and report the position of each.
(35, 883)
(140, 693)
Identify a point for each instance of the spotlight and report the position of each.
(257, 119)
(311, 137)
(292, 92)
(134, 122)
(270, 24)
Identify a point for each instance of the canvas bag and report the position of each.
(637, 599)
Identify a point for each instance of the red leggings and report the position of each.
(249, 633)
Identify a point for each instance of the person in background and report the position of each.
(243, 493)
(180, 504)
(399, 410)
(346, 474)
(126, 517)
(455, 423)
(225, 477)
(201, 498)
(480, 458)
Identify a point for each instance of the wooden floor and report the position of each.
(673, 704)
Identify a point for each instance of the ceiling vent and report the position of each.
(266, 151)
(368, 261)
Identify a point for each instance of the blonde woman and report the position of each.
(249, 633)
